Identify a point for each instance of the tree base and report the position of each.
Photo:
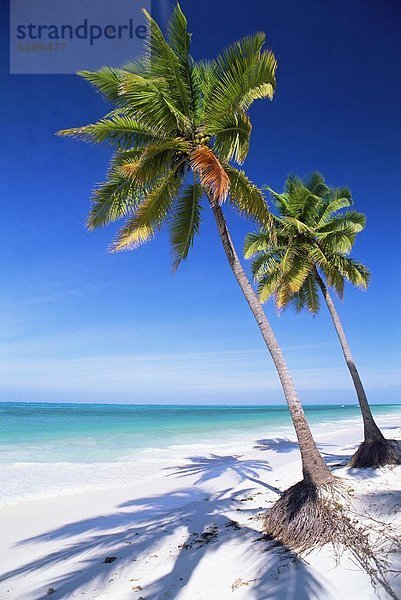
(309, 516)
(376, 454)
(304, 517)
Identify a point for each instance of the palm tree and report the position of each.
(177, 127)
(307, 250)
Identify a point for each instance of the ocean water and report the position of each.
(52, 449)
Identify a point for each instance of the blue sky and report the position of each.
(81, 325)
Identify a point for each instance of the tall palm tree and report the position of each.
(307, 250)
(177, 126)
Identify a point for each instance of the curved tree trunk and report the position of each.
(314, 468)
(371, 431)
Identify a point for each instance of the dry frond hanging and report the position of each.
(211, 172)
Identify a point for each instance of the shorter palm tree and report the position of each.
(307, 250)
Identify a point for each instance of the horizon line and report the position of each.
(216, 405)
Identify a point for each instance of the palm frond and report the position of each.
(265, 263)
(329, 207)
(341, 192)
(204, 80)
(324, 263)
(232, 136)
(269, 284)
(117, 197)
(178, 36)
(290, 224)
(106, 81)
(120, 130)
(311, 295)
(185, 222)
(297, 301)
(280, 201)
(155, 160)
(166, 63)
(292, 184)
(247, 198)
(243, 74)
(211, 172)
(240, 54)
(349, 220)
(152, 104)
(316, 184)
(307, 298)
(353, 271)
(149, 216)
(337, 241)
(282, 295)
(296, 266)
(180, 41)
(139, 65)
(255, 242)
(132, 81)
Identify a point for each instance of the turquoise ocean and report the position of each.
(50, 449)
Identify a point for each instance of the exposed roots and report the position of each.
(307, 516)
(377, 454)
(301, 518)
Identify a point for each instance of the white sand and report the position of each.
(56, 547)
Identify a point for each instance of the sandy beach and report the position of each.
(192, 532)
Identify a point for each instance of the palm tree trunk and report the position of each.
(314, 468)
(371, 430)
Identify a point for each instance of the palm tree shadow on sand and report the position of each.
(288, 577)
(284, 445)
(136, 532)
(276, 445)
(215, 465)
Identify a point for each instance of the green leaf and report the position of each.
(165, 62)
(156, 159)
(269, 284)
(185, 222)
(117, 197)
(153, 106)
(119, 130)
(243, 73)
(265, 263)
(106, 81)
(353, 271)
(256, 242)
(311, 295)
(247, 197)
(232, 136)
(149, 216)
(178, 36)
(307, 297)
(330, 207)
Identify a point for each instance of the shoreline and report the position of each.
(188, 526)
(148, 463)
